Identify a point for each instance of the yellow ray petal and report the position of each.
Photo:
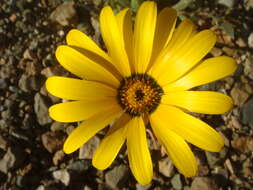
(124, 21)
(209, 70)
(82, 66)
(114, 40)
(180, 62)
(165, 26)
(79, 110)
(181, 35)
(111, 144)
(189, 128)
(90, 127)
(79, 39)
(138, 153)
(177, 149)
(206, 102)
(76, 89)
(144, 31)
(167, 17)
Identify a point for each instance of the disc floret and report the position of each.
(139, 94)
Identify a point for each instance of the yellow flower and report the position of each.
(145, 76)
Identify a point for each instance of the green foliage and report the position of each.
(117, 5)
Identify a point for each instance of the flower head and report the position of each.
(146, 73)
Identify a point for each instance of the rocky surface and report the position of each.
(31, 156)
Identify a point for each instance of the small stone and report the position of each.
(65, 14)
(80, 165)
(243, 144)
(58, 157)
(41, 187)
(240, 42)
(13, 17)
(63, 176)
(250, 40)
(116, 177)
(166, 167)
(212, 158)
(203, 183)
(216, 51)
(248, 67)
(24, 83)
(52, 71)
(7, 162)
(246, 113)
(176, 182)
(58, 126)
(235, 123)
(28, 54)
(239, 95)
(3, 143)
(229, 166)
(227, 3)
(3, 84)
(87, 188)
(141, 187)
(249, 3)
(41, 109)
(52, 141)
(88, 149)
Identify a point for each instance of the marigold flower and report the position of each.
(147, 73)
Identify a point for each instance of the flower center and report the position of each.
(139, 94)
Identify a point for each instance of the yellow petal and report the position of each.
(79, 39)
(177, 149)
(165, 26)
(89, 128)
(209, 70)
(144, 31)
(79, 110)
(80, 65)
(199, 101)
(181, 35)
(124, 20)
(189, 128)
(111, 144)
(76, 89)
(138, 153)
(180, 61)
(114, 41)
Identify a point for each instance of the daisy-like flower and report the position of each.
(145, 77)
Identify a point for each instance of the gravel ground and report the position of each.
(31, 156)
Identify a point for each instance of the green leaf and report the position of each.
(182, 4)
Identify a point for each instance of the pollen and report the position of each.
(139, 94)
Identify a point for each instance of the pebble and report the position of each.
(141, 187)
(65, 14)
(3, 83)
(227, 3)
(62, 175)
(203, 183)
(116, 177)
(166, 167)
(80, 165)
(88, 149)
(239, 95)
(7, 162)
(52, 141)
(250, 40)
(246, 113)
(176, 182)
(3, 143)
(41, 109)
(243, 144)
(58, 157)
